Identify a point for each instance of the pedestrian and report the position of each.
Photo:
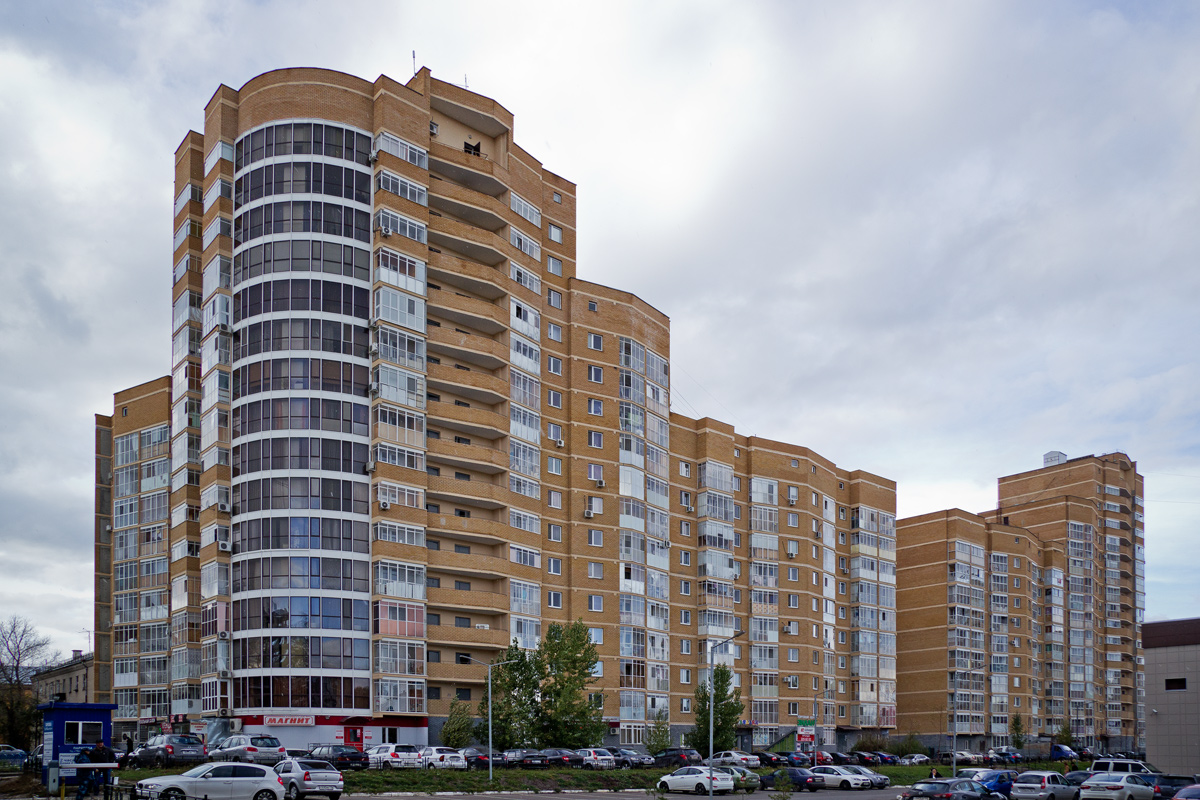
(83, 777)
(933, 773)
(128, 751)
(1072, 766)
(102, 754)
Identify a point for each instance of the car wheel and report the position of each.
(587, 766)
(172, 794)
(700, 789)
(265, 794)
(812, 788)
(158, 762)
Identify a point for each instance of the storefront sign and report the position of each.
(280, 720)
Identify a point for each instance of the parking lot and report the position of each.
(864, 794)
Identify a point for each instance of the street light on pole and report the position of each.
(491, 700)
(711, 647)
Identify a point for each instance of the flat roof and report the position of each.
(1171, 633)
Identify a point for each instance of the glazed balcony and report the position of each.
(474, 494)
(474, 172)
(478, 279)
(479, 351)
(464, 239)
(481, 210)
(478, 458)
(478, 386)
(481, 422)
(470, 312)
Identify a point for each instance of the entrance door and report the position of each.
(354, 737)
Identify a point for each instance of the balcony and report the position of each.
(484, 566)
(471, 384)
(479, 458)
(491, 638)
(481, 210)
(475, 494)
(470, 276)
(471, 348)
(480, 422)
(458, 673)
(465, 240)
(480, 603)
(471, 171)
(471, 312)
(476, 529)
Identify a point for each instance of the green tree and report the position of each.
(22, 651)
(1016, 731)
(908, 745)
(459, 727)
(516, 685)
(1064, 735)
(727, 709)
(567, 716)
(658, 735)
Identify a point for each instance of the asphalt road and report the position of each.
(822, 794)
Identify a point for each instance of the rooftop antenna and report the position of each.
(414, 62)
(88, 631)
(465, 84)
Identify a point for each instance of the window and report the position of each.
(595, 537)
(462, 622)
(595, 374)
(433, 656)
(595, 439)
(591, 305)
(553, 265)
(553, 332)
(595, 569)
(685, 617)
(554, 499)
(554, 298)
(595, 602)
(554, 533)
(1175, 684)
(596, 635)
(685, 705)
(794, 574)
(557, 197)
(554, 399)
(595, 407)
(555, 233)
(554, 365)
(554, 599)
(463, 693)
(685, 558)
(595, 341)
(553, 465)
(685, 676)
(685, 587)
(554, 431)
(554, 566)
(793, 519)
(685, 469)
(793, 601)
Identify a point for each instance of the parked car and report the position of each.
(304, 776)
(768, 759)
(442, 758)
(877, 781)
(250, 748)
(840, 777)
(296, 752)
(1077, 777)
(481, 757)
(1060, 752)
(841, 759)
(961, 757)
(677, 757)
(970, 772)
(1165, 786)
(1042, 785)
(525, 759)
(887, 758)
(822, 757)
(627, 759)
(173, 748)
(696, 779)
(1117, 786)
(914, 758)
(949, 789)
(394, 756)
(797, 758)
(865, 758)
(596, 758)
(734, 758)
(33, 761)
(342, 756)
(561, 757)
(1122, 765)
(997, 780)
(231, 781)
(13, 756)
(797, 777)
(1189, 792)
(743, 779)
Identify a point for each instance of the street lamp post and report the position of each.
(491, 700)
(711, 647)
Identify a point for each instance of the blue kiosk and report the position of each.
(68, 728)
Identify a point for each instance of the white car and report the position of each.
(1117, 786)
(735, 758)
(914, 758)
(841, 778)
(395, 756)
(597, 758)
(442, 758)
(696, 779)
(224, 780)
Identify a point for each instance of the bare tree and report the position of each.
(22, 651)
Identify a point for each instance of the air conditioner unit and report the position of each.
(223, 507)
(588, 514)
(235, 725)
(600, 483)
(373, 349)
(223, 712)
(482, 626)
(222, 635)
(370, 466)
(373, 323)
(225, 547)
(560, 443)
(384, 505)
(108, 528)
(433, 128)
(224, 673)
(689, 509)
(791, 501)
(225, 327)
(791, 554)
(385, 231)
(371, 159)
(374, 390)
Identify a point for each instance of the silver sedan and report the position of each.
(1116, 786)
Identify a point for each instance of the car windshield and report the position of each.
(988, 776)
(196, 772)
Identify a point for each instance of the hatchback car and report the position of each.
(677, 757)
(342, 756)
(1189, 792)
(525, 759)
(840, 777)
(797, 778)
(1117, 786)
(232, 781)
(734, 758)
(797, 759)
(696, 779)
(950, 789)
(482, 758)
(1042, 785)
(913, 759)
(767, 759)
(442, 758)
(394, 756)
(866, 758)
(627, 759)
(743, 779)
(596, 758)
(1165, 786)
(250, 748)
(302, 777)
(172, 748)
(561, 757)
(997, 780)
(877, 781)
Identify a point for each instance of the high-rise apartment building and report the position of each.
(1042, 601)
(402, 434)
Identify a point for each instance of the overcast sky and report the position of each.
(930, 240)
